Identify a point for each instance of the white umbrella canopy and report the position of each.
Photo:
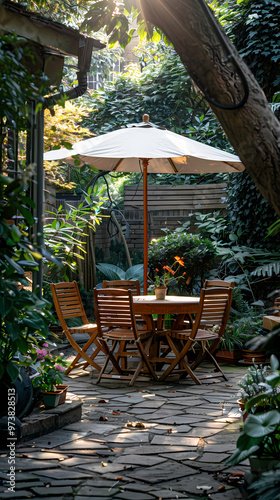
(167, 152)
(143, 147)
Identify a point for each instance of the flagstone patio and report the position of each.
(151, 441)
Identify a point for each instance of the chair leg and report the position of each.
(216, 364)
(82, 352)
(84, 365)
(109, 357)
(179, 358)
(144, 361)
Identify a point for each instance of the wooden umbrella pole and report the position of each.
(145, 221)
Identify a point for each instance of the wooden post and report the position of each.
(145, 214)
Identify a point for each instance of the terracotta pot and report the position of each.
(242, 408)
(258, 356)
(63, 389)
(160, 292)
(228, 356)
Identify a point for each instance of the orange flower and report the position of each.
(157, 270)
(180, 260)
(169, 270)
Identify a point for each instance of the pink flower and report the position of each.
(59, 368)
(41, 353)
(45, 345)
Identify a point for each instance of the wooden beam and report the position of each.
(59, 38)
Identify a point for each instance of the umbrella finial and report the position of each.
(146, 118)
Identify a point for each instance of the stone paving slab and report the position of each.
(185, 433)
(142, 460)
(163, 472)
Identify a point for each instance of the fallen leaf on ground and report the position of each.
(104, 464)
(103, 401)
(116, 412)
(103, 419)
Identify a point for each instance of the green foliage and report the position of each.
(22, 313)
(266, 487)
(248, 266)
(250, 213)
(63, 235)
(253, 26)
(232, 338)
(252, 383)
(21, 85)
(51, 370)
(268, 341)
(261, 431)
(163, 90)
(112, 272)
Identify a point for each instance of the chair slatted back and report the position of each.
(276, 306)
(68, 302)
(114, 309)
(132, 285)
(214, 308)
(218, 284)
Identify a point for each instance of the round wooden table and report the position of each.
(147, 305)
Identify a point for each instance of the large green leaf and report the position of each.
(240, 455)
(111, 272)
(257, 426)
(135, 272)
(12, 371)
(17, 268)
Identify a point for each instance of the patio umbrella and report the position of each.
(144, 147)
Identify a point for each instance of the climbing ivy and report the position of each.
(253, 26)
(250, 214)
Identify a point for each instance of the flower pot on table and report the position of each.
(160, 292)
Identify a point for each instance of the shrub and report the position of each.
(197, 253)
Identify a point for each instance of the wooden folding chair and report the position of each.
(214, 308)
(210, 284)
(132, 285)
(114, 311)
(218, 284)
(68, 304)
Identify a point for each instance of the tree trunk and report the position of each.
(214, 65)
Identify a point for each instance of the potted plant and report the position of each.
(252, 330)
(160, 282)
(259, 440)
(253, 383)
(230, 346)
(51, 372)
